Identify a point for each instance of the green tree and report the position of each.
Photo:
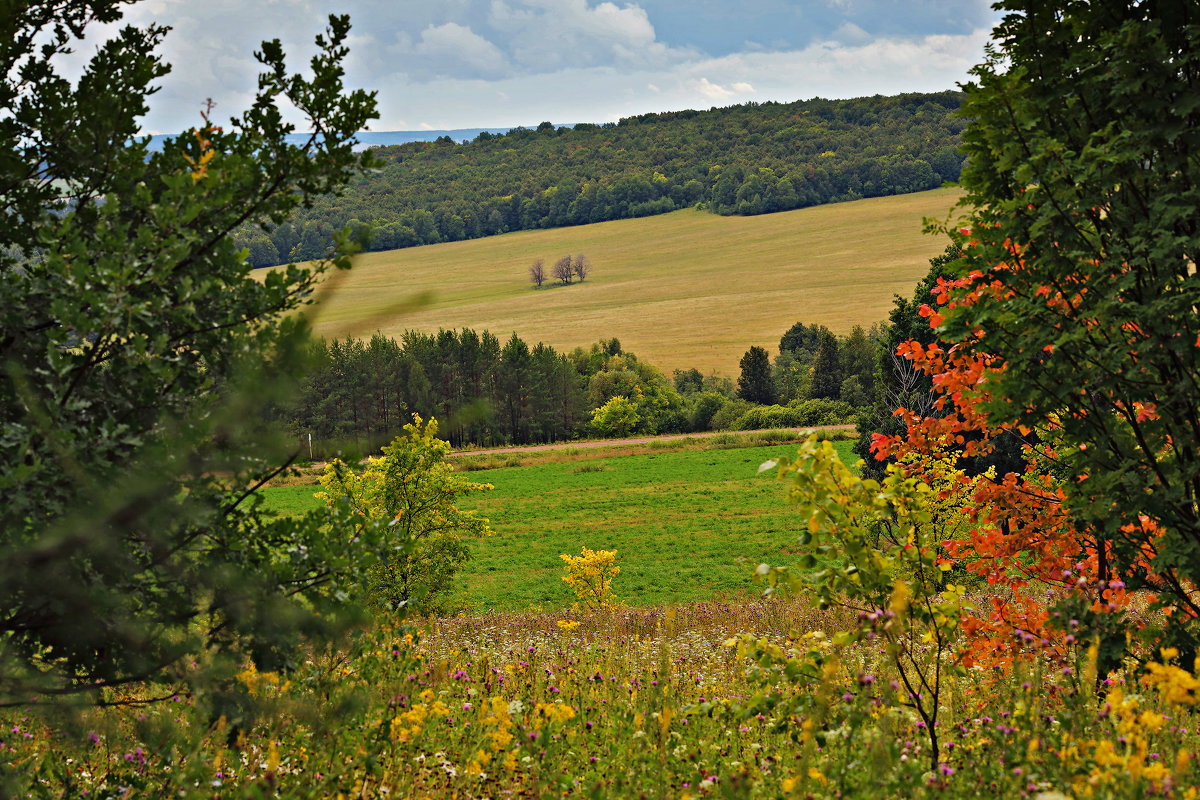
(688, 381)
(755, 382)
(616, 418)
(134, 348)
(1079, 272)
(827, 374)
(412, 490)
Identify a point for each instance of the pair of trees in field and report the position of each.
(566, 270)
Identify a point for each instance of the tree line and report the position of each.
(748, 159)
(361, 392)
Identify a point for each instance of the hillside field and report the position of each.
(685, 289)
(678, 520)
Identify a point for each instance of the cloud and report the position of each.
(498, 63)
(825, 69)
(453, 50)
(850, 33)
(713, 91)
(548, 35)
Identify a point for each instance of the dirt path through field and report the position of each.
(533, 448)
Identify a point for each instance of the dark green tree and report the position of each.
(134, 348)
(755, 382)
(688, 381)
(827, 373)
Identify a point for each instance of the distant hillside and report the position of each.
(688, 289)
(379, 138)
(745, 160)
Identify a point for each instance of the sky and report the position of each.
(503, 63)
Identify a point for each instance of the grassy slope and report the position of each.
(679, 522)
(686, 289)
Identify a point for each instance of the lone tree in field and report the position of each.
(755, 383)
(564, 270)
(537, 273)
(581, 266)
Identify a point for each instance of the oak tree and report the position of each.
(135, 347)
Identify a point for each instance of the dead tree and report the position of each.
(564, 271)
(581, 266)
(537, 273)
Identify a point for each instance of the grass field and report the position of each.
(686, 289)
(678, 520)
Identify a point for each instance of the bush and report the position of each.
(798, 414)
(590, 576)
(702, 409)
(413, 490)
(616, 418)
(727, 414)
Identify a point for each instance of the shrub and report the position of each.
(616, 418)
(413, 490)
(797, 414)
(590, 576)
(703, 407)
(724, 417)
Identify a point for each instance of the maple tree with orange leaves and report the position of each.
(1071, 323)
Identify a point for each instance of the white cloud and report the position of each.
(711, 90)
(826, 69)
(850, 33)
(548, 35)
(455, 50)
(499, 63)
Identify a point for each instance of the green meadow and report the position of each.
(681, 290)
(686, 525)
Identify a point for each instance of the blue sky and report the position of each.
(501, 63)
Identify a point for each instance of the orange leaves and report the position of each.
(200, 165)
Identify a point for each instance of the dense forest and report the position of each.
(748, 159)
(360, 393)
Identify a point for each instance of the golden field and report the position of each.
(686, 289)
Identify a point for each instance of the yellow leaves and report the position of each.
(199, 165)
(590, 576)
(258, 682)
(1151, 722)
(664, 722)
(1182, 759)
(1176, 686)
(901, 593)
(1091, 664)
(552, 713)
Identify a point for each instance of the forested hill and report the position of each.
(747, 159)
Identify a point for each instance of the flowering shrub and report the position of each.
(590, 576)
